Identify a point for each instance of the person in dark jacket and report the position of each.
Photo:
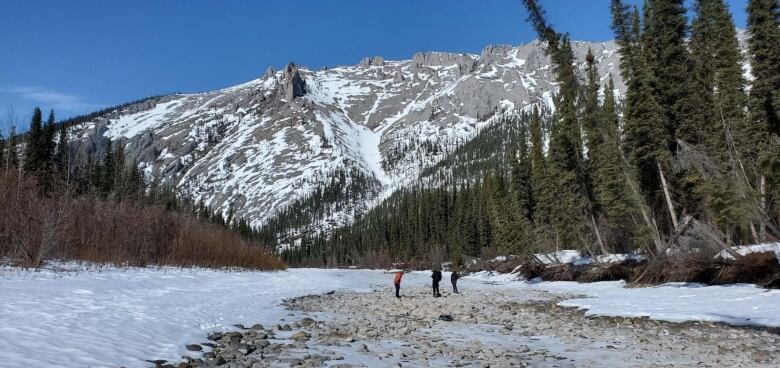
(436, 276)
(454, 278)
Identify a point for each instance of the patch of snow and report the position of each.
(756, 248)
(576, 258)
(741, 304)
(109, 317)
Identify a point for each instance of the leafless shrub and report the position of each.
(35, 228)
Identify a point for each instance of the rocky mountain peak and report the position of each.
(292, 85)
(372, 61)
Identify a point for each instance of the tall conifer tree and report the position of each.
(34, 150)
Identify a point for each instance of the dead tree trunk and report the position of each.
(667, 196)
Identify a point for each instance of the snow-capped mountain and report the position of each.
(257, 147)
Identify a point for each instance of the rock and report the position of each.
(239, 326)
(193, 347)
(445, 317)
(217, 361)
(760, 356)
(257, 327)
(308, 322)
(301, 336)
(293, 85)
(374, 61)
(286, 327)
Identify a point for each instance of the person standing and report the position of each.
(436, 276)
(397, 283)
(454, 278)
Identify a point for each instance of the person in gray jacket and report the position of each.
(454, 278)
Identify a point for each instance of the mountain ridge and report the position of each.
(255, 148)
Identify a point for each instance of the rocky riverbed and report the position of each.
(495, 327)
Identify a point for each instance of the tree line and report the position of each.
(103, 209)
(688, 159)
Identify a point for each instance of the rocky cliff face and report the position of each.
(259, 146)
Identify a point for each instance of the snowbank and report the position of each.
(757, 248)
(576, 258)
(739, 304)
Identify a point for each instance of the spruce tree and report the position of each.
(647, 136)
(2, 150)
(34, 150)
(521, 176)
(12, 150)
(62, 155)
(49, 142)
(625, 25)
(763, 127)
(718, 59)
(108, 170)
(763, 27)
(668, 62)
(611, 190)
(718, 67)
(591, 122)
(572, 208)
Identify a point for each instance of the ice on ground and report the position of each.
(118, 317)
(737, 304)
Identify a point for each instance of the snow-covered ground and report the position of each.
(113, 317)
(739, 304)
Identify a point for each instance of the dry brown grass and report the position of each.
(36, 228)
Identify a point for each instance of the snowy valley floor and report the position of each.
(122, 317)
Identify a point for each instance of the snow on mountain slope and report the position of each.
(258, 147)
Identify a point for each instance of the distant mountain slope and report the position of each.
(357, 133)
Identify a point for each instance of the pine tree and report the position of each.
(48, 143)
(718, 68)
(718, 61)
(12, 150)
(2, 150)
(591, 122)
(763, 27)
(62, 155)
(611, 189)
(625, 25)
(647, 136)
(763, 127)
(572, 208)
(34, 151)
(521, 175)
(108, 171)
(668, 62)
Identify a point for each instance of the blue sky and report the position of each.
(77, 56)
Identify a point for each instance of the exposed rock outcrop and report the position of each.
(292, 85)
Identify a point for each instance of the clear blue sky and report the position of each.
(77, 56)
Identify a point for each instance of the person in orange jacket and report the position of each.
(397, 283)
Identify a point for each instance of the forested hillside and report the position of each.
(687, 162)
(101, 209)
